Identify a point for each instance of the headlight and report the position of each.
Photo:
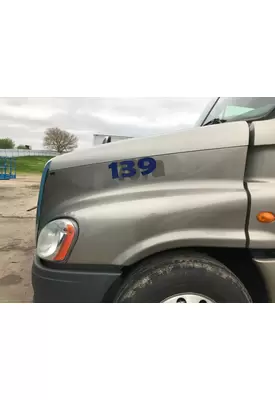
(56, 239)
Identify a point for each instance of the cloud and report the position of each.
(29, 113)
(166, 121)
(26, 119)
(7, 124)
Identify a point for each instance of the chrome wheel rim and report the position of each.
(188, 298)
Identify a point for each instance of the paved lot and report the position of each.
(17, 229)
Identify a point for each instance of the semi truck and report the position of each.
(182, 217)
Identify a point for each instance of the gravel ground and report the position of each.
(17, 237)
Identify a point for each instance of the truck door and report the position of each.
(260, 183)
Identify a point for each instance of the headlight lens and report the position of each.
(56, 239)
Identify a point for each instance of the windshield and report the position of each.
(228, 109)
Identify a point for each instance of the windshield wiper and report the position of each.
(215, 121)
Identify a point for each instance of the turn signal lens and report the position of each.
(69, 234)
(266, 217)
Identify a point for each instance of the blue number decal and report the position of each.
(128, 169)
(147, 165)
(113, 167)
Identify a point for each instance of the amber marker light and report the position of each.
(66, 243)
(266, 217)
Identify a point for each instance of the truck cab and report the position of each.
(182, 217)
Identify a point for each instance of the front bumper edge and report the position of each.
(54, 285)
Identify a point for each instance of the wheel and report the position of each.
(178, 277)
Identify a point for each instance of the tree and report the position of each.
(7, 143)
(59, 140)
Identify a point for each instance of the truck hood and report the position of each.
(232, 134)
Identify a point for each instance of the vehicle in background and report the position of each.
(103, 139)
(186, 217)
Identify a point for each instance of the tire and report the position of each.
(159, 278)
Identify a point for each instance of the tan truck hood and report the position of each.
(232, 134)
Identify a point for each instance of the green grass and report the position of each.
(31, 165)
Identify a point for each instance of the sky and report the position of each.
(25, 119)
